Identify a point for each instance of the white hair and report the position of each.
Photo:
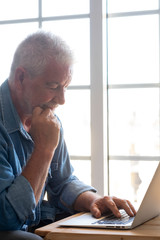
(37, 50)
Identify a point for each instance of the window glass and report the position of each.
(18, 9)
(75, 117)
(133, 49)
(82, 170)
(131, 5)
(130, 179)
(134, 122)
(76, 34)
(63, 7)
(11, 36)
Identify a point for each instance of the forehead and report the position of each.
(57, 73)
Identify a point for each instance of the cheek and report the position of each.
(43, 96)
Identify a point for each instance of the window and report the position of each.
(133, 95)
(111, 118)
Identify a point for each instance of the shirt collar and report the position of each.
(10, 117)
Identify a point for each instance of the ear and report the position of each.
(20, 75)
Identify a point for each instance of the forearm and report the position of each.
(45, 129)
(36, 170)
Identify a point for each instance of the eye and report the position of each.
(54, 88)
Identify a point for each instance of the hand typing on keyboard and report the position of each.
(98, 205)
(113, 204)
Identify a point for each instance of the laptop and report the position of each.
(148, 209)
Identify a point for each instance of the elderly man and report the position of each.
(33, 154)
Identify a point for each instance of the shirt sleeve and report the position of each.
(17, 201)
(63, 187)
(23, 204)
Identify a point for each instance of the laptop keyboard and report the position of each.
(111, 219)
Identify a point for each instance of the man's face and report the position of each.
(47, 90)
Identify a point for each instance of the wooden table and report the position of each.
(148, 231)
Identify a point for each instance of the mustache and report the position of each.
(52, 106)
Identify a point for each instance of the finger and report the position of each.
(112, 206)
(127, 208)
(95, 211)
(131, 207)
(126, 205)
(37, 110)
(47, 112)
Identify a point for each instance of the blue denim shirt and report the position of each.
(17, 201)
